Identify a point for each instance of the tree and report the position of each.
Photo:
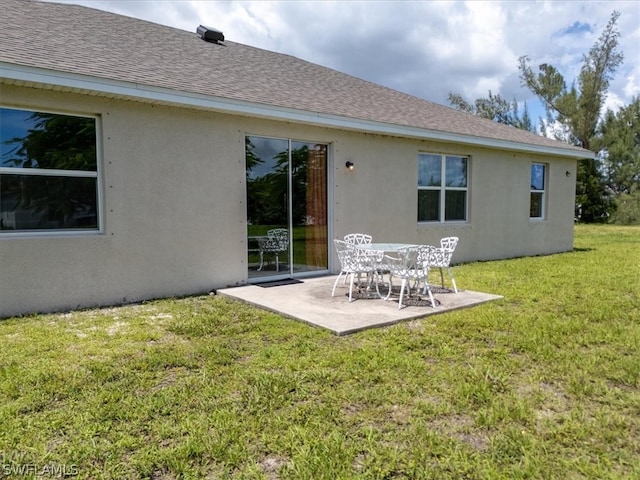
(618, 144)
(59, 142)
(495, 108)
(578, 109)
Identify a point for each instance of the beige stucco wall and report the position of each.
(174, 204)
(380, 197)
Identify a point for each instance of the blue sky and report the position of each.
(424, 48)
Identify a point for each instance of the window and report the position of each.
(538, 190)
(442, 188)
(48, 172)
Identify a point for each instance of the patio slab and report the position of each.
(311, 302)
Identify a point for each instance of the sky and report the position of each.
(423, 48)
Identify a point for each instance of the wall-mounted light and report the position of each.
(567, 173)
(350, 166)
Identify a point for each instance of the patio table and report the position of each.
(386, 248)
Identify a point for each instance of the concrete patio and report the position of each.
(311, 302)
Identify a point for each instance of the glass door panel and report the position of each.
(309, 206)
(286, 207)
(267, 163)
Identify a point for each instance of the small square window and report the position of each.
(442, 188)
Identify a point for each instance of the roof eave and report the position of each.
(35, 76)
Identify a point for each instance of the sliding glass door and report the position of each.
(286, 207)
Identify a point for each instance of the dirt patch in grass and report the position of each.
(461, 428)
(271, 466)
(400, 415)
(170, 378)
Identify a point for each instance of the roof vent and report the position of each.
(209, 34)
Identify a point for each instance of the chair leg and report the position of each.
(390, 287)
(333, 292)
(261, 260)
(433, 302)
(453, 282)
(351, 288)
(425, 279)
(378, 278)
(404, 284)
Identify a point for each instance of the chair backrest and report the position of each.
(436, 257)
(340, 245)
(449, 243)
(406, 262)
(355, 260)
(442, 256)
(344, 255)
(279, 238)
(429, 255)
(358, 238)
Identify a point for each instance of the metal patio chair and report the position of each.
(355, 262)
(276, 241)
(357, 239)
(441, 258)
(410, 266)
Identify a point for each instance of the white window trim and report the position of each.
(443, 190)
(543, 192)
(97, 174)
(47, 172)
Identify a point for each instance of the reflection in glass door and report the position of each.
(286, 207)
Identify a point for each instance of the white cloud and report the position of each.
(612, 102)
(632, 86)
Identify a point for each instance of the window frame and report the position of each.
(541, 192)
(443, 188)
(46, 172)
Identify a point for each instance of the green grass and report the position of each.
(543, 384)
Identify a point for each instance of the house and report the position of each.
(142, 161)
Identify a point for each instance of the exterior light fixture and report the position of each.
(350, 166)
(567, 173)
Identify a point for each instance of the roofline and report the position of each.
(40, 76)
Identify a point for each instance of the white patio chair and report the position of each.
(410, 266)
(441, 258)
(276, 242)
(358, 238)
(356, 262)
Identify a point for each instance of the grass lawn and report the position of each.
(543, 384)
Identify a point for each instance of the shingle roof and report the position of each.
(84, 41)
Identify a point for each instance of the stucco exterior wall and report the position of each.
(174, 210)
(380, 197)
(173, 204)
